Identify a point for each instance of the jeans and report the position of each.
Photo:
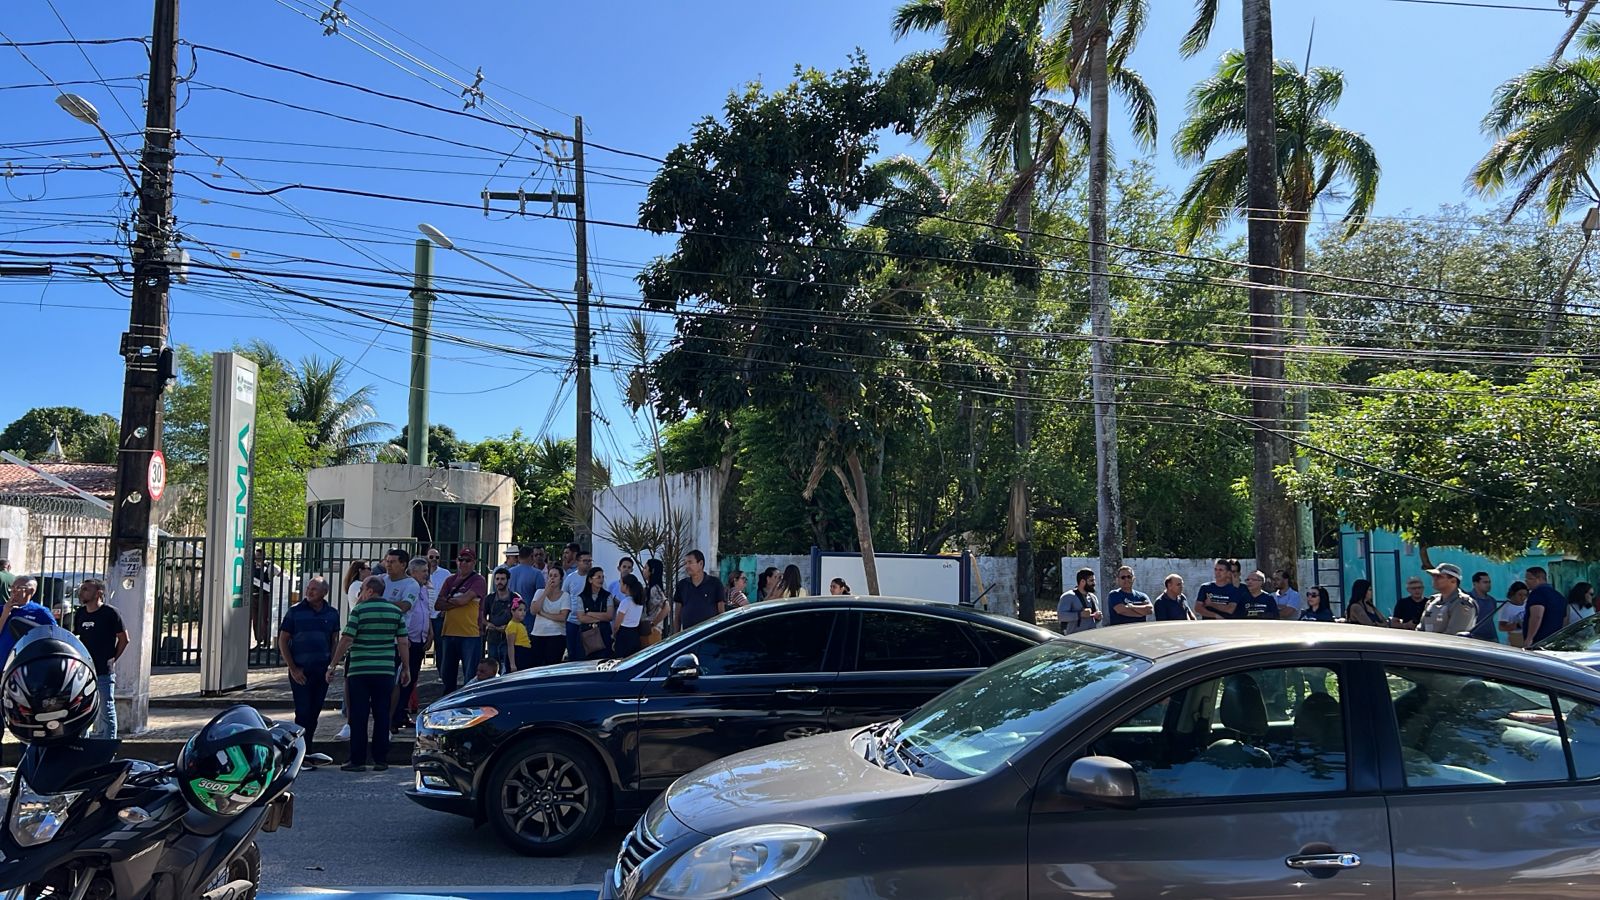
(108, 705)
(308, 698)
(575, 641)
(404, 695)
(497, 649)
(457, 652)
(438, 647)
(369, 705)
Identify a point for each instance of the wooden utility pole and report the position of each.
(583, 482)
(1275, 516)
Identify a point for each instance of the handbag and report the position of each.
(593, 641)
(651, 636)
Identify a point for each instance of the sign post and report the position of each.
(225, 617)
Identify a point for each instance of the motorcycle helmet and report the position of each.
(48, 693)
(223, 768)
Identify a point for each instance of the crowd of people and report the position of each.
(531, 611)
(1531, 611)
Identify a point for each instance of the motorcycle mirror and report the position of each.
(115, 787)
(319, 759)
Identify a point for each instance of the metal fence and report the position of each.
(65, 562)
(180, 587)
(282, 567)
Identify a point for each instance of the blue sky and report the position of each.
(1419, 78)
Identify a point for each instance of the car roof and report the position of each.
(907, 604)
(1159, 640)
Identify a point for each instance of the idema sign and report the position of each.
(225, 619)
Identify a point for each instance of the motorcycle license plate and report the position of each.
(280, 814)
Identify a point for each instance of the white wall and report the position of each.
(693, 495)
(378, 496)
(14, 544)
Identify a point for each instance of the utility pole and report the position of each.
(1275, 519)
(583, 482)
(149, 364)
(421, 318)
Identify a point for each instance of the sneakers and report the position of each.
(352, 767)
(380, 767)
(344, 733)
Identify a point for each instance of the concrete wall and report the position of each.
(1387, 560)
(14, 538)
(693, 495)
(378, 496)
(23, 532)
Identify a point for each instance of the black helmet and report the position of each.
(49, 692)
(224, 768)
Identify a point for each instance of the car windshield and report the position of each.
(1582, 635)
(668, 649)
(978, 725)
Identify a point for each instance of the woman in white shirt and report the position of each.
(548, 610)
(630, 610)
(359, 571)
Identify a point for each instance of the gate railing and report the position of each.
(288, 564)
(66, 561)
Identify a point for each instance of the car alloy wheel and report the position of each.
(547, 795)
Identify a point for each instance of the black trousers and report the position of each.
(370, 696)
(308, 699)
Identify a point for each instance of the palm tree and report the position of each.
(995, 77)
(340, 423)
(1314, 154)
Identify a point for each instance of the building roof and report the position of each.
(98, 479)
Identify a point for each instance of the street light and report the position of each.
(439, 237)
(84, 111)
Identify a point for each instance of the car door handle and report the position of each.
(1323, 862)
(804, 690)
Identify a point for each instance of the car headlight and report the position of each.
(458, 718)
(36, 817)
(731, 864)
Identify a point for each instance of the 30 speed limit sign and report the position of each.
(157, 481)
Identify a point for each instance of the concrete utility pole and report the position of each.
(149, 366)
(421, 317)
(583, 483)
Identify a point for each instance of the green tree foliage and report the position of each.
(444, 447)
(341, 421)
(85, 437)
(544, 473)
(281, 455)
(1450, 458)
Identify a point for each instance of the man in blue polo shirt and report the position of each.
(1546, 607)
(306, 639)
(20, 605)
(1126, 605)
(1217, 599)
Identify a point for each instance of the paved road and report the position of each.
(358, 831)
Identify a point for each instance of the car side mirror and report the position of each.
(684, 670)
(1103, 781)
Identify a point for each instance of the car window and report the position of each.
(1002, 644)
(1461, 729)
(770, 645)
(898, 642)
(1582, 719)
(1246, 734)
(1579, 637)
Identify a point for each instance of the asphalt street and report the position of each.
(358, 833)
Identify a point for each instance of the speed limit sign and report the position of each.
(157, 481)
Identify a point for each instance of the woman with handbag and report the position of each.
(655, 604)
(595, 608)
(630, 615)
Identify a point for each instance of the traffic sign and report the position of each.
(157, 475)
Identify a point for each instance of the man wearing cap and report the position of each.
(1450, 611)
(461, 601)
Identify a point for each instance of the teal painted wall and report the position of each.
(1388, 560)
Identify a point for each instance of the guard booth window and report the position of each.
(451, 526)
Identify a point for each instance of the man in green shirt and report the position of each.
(6, 577)
(379, 649)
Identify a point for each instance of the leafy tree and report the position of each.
(1452, 459)
(544, 474)
(84, 437)
(341, 421)
(280, 455)
(444, 447)
(792, 299)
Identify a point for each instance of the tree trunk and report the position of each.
(855, 493)
(1101, 351)
(1274, 514)
(1022, 414)
(1296, 231)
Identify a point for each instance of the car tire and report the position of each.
(547, 795)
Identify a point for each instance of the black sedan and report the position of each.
(545, 756)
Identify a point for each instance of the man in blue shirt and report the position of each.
(1547, 607)
(306, 639)
(20, 605)
(527, 576)
(1172, 605)
(1217, 598)
(1256, 603)
(1126, 605)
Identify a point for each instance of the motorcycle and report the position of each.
(81, 824)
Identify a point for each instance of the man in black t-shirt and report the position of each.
(1216, 599)
(698, 597)
(1408, 609)
(100, 629)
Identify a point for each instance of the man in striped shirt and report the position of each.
(374, 635)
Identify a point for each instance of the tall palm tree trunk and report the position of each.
(1101, 353)
(1276, 546)
(1022, 413)
(1297, 228)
